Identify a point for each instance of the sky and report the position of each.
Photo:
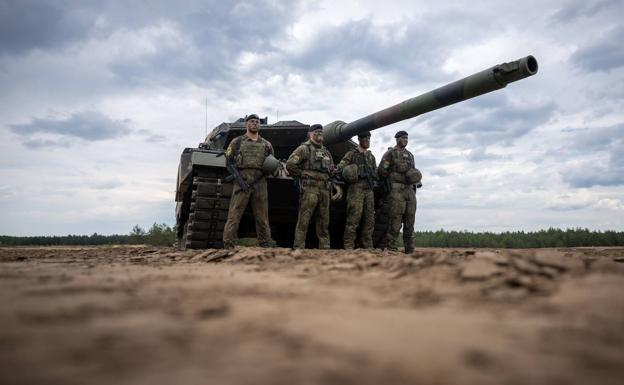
(98, 100)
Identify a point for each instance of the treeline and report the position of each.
(519, 239)
(157, 235)
(163, 235)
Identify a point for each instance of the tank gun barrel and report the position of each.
(480, 83)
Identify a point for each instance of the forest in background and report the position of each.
(164, 235)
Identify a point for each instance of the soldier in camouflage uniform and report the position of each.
(248, 153)
(312, 163)
(360, 197)
(394, 165)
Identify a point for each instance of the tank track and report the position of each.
(382, 213)
(210, 199)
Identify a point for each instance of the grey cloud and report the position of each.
(595, 176)
(591, 174)
(45, 143)
(573, 10)
(602, 55)
(437, 171)
(415, 57)
(156, 138)
(598, 153)
(6, 192)
(567, 206)
(88, 125)
(106, 184)
(585, 140)
(210, 34)
(479, 154)
(27, 25)
(482, 122)
(213, 34)
(149, 136)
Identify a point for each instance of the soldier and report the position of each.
(248, 153)
(397, 166)
(359, 169)
(312, 163)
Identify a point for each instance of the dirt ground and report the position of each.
(144, 315)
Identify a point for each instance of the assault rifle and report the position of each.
(370, 179)
(235, 175)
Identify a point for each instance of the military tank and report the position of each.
(203, 189)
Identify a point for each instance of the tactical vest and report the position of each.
(402, 161)
(319, 160)
(364, 163)
(250, 154)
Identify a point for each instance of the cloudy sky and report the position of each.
(98, 99)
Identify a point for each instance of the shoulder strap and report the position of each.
(267, 147)
(237, 146)
(309, 161)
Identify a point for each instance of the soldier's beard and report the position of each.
(318, 139)
(253, 130)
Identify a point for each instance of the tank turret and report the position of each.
(203, 192)
(488, 80)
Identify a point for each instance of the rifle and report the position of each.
(366, 172)
(235, 175)
(368, 175)
(386, 185)
(253, 182)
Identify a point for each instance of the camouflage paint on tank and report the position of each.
(488, 80)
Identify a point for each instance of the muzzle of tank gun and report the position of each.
(516, 70)
(488, 80)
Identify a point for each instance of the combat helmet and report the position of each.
(413, 176)
(270, 165)
(350, 173)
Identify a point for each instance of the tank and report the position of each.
(203, 188)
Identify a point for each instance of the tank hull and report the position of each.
(203, 196)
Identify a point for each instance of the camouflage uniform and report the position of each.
(402, 198)
(249, 160)
(360, 198)
(313, 164)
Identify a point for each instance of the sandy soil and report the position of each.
(142, 315)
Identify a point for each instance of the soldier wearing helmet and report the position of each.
(313, 165)
(359, 168)
(397, 166)
(249, 152)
